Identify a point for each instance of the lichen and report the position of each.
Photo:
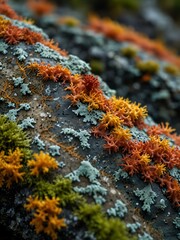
(82, 135)
(147, 195)
(119, 210)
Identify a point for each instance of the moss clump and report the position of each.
(172, 70)
(60, 187)
(97, 66)
(103, 228)
(90, 215)
(129, 52)
(149, 67)
(69, 21)
(12, 137)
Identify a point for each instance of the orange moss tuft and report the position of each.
(46, 215)
(42, 164)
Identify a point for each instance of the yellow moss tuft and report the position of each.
(10, 166)
(42, 164)
(45, 215)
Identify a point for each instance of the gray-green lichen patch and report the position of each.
(3, 47)
(93, 189)
(119, 210)
(54, 150)
(120, 174)
(147, 195)
(133, 227)
(24, 87)
(89, 116)
(82, 135)
(145, 236)
(175, 172)
(27, 123)
(139, 135)
(20, 53)
(47, 52)
(12, 113)
(39, 142)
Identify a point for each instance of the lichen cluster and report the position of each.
(30, 155)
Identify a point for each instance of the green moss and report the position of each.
(12, 136)
(150, 66)
(129, 52)
(97, 66)
(172, 70)
(103, 228)
(60, 187)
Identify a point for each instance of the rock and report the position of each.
(77, 162)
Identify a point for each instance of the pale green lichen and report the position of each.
(145, 236)
(120, 174)
(27, 123)
(89, 116)
(25, 89)
(3, 47)
(40, 143)
(176, 221)
(94, 189)
(147, 195)
(119, 210)
(20, 53)
(47, 52)
(82, 135)
(54, 150)
(17, 81)
(133, 227)
(12, 113)
(175, 172)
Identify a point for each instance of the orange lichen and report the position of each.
(165, 129)
(45, 215)
(14, 35)
(151, 159)
(10, 167)
(40, 7)
(48, 72)
(173, 189)
(121, 33)
(6, 10)
(42, 164)
(116, 139)
(128, 111)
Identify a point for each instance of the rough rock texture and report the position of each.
(114, 156)
(120, 64)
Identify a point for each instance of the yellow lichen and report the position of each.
(42, 164)
(10, 167)
(45, 215)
